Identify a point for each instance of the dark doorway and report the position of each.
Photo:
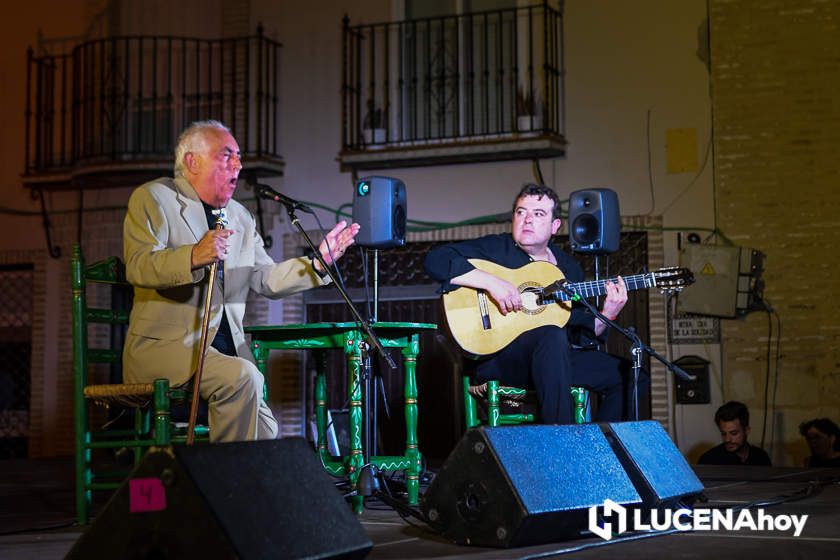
(15, 357)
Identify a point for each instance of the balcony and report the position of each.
(483, 86)
(108, 112)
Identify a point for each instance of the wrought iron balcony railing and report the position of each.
(477, 77)
(124, 100)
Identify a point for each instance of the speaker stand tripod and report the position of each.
(363, 485)
(370, 478)
(375, 316)
(369, 482)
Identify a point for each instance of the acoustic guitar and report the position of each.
(479, 327)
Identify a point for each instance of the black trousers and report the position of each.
(544, 360)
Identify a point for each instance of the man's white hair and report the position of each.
(193, 139)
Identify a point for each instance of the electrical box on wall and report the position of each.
(727, 283)
(697, 391)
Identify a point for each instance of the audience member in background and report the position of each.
(823, 439)
(733, 420)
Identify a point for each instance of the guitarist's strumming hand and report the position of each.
(503, 293)
(616, 298)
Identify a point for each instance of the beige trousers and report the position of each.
(233, 389)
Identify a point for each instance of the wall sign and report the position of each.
(694, 329)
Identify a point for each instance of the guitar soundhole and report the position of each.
(530, 293)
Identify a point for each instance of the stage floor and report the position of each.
(37, 515)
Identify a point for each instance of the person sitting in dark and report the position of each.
(823, 438)
(733, 420)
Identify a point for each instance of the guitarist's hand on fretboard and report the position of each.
(616, 298)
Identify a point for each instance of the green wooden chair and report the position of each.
(139, 413)
(499, 396)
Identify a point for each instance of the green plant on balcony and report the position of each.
(373, 125)
(528, 109)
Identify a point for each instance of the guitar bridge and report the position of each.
(484, 309)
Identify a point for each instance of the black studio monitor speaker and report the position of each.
(379, 206)
(524, 485)
(262, 499)
(594, 221)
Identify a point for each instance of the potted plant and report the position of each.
(373, 125)
(528, 113)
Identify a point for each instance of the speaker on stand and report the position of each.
(594, 223)
(379, 207)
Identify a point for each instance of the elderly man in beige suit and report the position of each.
(168, 247)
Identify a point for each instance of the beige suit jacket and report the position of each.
(165, 219)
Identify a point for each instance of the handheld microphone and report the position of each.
(267, 192)
(220, 214)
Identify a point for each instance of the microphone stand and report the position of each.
(368, 483)
(639, 347)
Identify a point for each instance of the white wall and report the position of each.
(622, 60)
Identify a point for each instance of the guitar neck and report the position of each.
(592, 288)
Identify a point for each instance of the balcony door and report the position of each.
(472, 68)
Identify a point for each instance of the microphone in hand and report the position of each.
(264, 191)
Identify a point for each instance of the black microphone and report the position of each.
(267, 192)
(556, 290)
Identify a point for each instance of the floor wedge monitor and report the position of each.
(523, 485)
(262, 499)
(658, 470)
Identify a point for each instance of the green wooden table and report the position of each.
(321, 337)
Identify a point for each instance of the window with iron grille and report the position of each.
(455, 73)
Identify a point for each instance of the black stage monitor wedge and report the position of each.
(262, 499)
(658, 470)
(523, 485)
(594, 221)
(379, 206)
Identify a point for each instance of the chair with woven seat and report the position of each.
(98, 332)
